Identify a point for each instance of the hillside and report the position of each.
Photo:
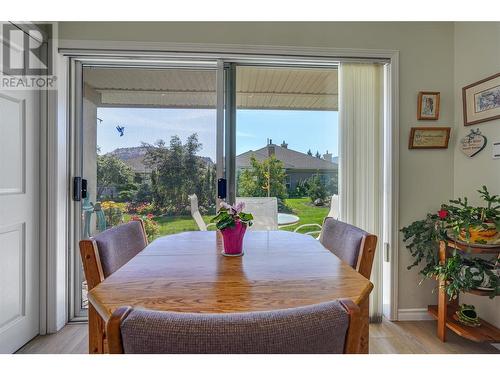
(134, 158)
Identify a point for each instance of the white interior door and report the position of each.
(19, 245)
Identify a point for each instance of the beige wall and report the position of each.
(426, 63)
(477, 55)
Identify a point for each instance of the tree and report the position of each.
(144, 193)
(177, 172)
(207, 191)
(318, 155)
(316, 189)
(332, 186)
(301, 189)
(263, 179)
(309, 152)
(112, 172)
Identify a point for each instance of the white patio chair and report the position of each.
(264, 211)
(334, 212)
(195, 213)
(334, 207)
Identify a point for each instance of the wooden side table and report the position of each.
(445, 310)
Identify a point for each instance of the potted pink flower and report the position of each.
(233, 223)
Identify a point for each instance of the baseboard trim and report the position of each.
(414, 314)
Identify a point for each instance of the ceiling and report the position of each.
(256, 88)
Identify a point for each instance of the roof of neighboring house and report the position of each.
(291, 159)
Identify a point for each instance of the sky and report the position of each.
(302, 130)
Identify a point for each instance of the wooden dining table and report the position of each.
(186, 272)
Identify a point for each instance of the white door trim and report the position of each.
(149, 51)
(54, 195)
(213, 51)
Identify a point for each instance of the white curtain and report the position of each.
(361, 94)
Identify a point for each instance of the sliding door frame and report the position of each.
(108, 53)
(76, 155)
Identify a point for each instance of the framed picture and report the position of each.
(425, 138)
(482, 100)
(428, 105)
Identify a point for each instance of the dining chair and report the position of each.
(316, 228)
(331, 327)
(264, 211)
(351, 244)
(107, 251)
(195, 213)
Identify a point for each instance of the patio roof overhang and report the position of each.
(257, 88)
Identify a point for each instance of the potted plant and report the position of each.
(475, 225)
(232, 223)
(458, 221)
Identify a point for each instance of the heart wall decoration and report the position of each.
(473, 143)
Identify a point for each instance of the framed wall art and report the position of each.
(481, 100)
(428, 105)
(427, 138)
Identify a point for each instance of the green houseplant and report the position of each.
(457, 221)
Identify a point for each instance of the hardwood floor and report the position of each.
(72, 339)
(420, 338)
(385, 338)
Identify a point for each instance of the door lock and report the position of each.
(79, 188)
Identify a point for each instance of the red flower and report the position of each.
(150, 216)
(134, 217)
(443, 214)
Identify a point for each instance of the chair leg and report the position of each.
(96, 332)
(365, 318)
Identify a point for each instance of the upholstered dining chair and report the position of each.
(331, 327)
(107, 251)
(351, 244)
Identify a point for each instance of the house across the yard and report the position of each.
(298, 166)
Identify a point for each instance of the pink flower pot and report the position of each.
(233, 239)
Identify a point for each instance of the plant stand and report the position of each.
(445, 310)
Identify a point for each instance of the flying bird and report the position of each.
(121, 130)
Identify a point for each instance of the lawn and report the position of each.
(308, 213)
(301, 207)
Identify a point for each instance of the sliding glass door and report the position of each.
(286, 143)
(148, 149)
(153, 142)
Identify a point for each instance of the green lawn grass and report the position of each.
(301, 207)
(177, 224)
(307, 212)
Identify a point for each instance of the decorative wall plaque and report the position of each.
(473, 143)
(425, 138)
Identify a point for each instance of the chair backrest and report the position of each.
(264, 211)
(195, 212)
(351, 244)
(332, 327)
(334, 207)
(107, 251)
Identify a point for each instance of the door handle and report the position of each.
(79, 188)
(221, 188)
